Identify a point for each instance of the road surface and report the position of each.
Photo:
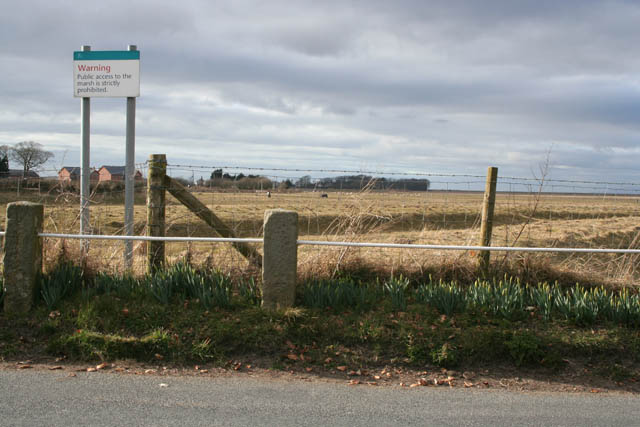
(53, 398)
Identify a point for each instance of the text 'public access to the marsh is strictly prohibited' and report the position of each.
(106, 74)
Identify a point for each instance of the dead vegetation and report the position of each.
(452, 218)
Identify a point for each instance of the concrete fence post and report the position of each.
(280, 259)
(22, 255)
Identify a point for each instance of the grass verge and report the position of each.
(184, 316)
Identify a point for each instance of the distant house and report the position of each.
(72, 173)
(114, 173)
(18, 174)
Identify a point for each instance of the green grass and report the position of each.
(184, 316)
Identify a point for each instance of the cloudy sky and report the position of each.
(430, 86)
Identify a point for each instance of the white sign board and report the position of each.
(106, 74)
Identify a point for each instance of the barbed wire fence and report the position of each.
(529, 211)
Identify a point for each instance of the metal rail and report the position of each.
(343, 244)
(150, 238)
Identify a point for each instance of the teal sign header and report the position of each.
(106, 55)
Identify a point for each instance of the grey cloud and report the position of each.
(427, 84)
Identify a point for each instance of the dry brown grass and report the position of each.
(403, 217)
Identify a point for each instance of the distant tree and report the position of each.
(4, 159)
(284, 185)
(30, 155)
(216, 174)
(239, 176)
(304, 182)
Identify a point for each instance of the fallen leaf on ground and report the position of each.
(91, 369)
(468, 384)
(292, 356)
(54, 368)
(467, 375)
(71, 374)
(149, 371)
(102, 366)
(308, 369)
(25, 367)
(354, 382)
(341, 368)
(328, 360)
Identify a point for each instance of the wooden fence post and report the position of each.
(486, 226)
(156, 210)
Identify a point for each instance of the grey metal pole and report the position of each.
(129, 173)
(85, 172)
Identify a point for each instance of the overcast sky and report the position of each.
(431, 86)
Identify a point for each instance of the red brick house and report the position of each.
(115, 173)
(72, 173)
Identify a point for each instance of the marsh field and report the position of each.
(433, 217)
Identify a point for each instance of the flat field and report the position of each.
(434, 217)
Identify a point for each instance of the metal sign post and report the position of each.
(85, 173)
(129, 176)
(107, 74)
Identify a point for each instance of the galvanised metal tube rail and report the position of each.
(149, 238)
(343, 244)
(468, 248)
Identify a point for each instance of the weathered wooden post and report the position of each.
(488, 205)
(156, 210)
(280, 259)
(22, 255)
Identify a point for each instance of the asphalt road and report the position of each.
(29, 398)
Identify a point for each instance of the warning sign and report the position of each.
(106, 74)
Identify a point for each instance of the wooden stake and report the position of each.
(486, 226)
(156, 210)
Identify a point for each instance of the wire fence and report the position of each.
(398, 211)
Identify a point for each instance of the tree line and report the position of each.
(358, 182)
(221, 179)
